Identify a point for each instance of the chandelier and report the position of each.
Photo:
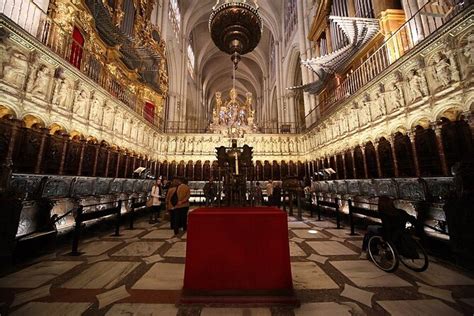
(233, 118)
(235, 27)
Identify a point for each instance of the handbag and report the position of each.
(174, 197)
(149, 202)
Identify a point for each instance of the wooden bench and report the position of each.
(334, 205)
(82, 217)
(360, 210)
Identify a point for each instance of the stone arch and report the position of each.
(31, 120)
(56, 128)
(7, 112)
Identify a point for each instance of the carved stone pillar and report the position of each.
(335, 166)
(118, 165)
(81, 157)
(440, 147)
(344, 170)
(107, 163)
(377, 160)
(63, 153)
(7, 163)
(125, 174)
(96, 157)
(366, 173)
(394, 157)
(39, 158)
(416, 164)
(354, 169)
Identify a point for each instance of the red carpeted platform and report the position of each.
(238, 255)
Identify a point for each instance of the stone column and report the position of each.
(107, 164)
(377, 159)
(117, 168)
(394, 156)
(7, 163)
(81, 157)
(440, 147)
(335, 166)
(354, 169)
(344, 165)
(366, 173)
(125, 173)
(96, 157)
(416, 164)
(39, 158)
(63, 153)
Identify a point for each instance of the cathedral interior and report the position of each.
(337, 103)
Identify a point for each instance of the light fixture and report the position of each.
(235, 27)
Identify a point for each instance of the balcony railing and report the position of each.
(428, 19)
(33, 19)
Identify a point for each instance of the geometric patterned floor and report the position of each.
(141, 273)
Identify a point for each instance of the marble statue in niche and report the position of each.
(172, 146)
(164, 145)
(394, 96)
(96, 109)
(81, 102)
(364, 111)
(61, 92)
(14, 71)
(126, 126)
(39, 84)
(109, 117)
(442, 69)
(291, 145)
(353, 118)
(417, 84)
(134, 130)
(468, 50)
(118, 123)
(451, 55)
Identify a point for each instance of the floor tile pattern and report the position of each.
(141, 272)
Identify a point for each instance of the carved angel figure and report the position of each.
(442, 69)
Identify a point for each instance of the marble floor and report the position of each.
(141, 272)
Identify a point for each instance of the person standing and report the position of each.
(177, 204)
(210, 192)
(156, 203)
(257, 194)
(269, 188)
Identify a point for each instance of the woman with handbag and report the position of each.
(155, 202)
(177, 204)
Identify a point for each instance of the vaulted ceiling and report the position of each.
(214, 68)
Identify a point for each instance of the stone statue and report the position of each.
(81, 102)
(395, 97)
(453, 66)
(417, 84)
(468, 50)
(291, 146)
(442, 69)
(96, 110)
(126, 126)
(14, 72)
(40, 84)
(109, 117)
(118, 123)
(61, 93)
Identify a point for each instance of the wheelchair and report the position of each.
(393, 243)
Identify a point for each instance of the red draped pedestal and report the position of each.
(238, 255)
